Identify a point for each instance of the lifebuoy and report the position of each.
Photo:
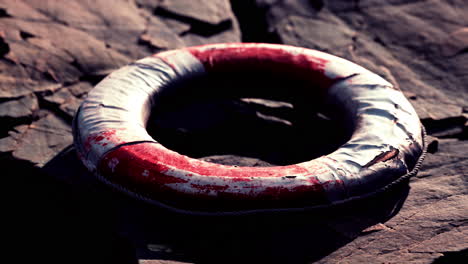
(111, 139)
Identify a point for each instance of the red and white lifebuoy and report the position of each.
(111, 139)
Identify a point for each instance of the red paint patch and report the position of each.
(272, 59)
(144, 167)
(102, 139)
(165, 159)
(134, 170)
(241, 179)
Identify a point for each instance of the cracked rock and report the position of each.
(410, 56)
(327, 36)
(65, 100)
(211, 12)
(159, 36)
(9, 143)
(53, 52)
(80, 89)
(24, 107)
(456, 42)
(42, 140)
(420, 47)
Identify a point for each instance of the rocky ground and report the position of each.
(53, 52)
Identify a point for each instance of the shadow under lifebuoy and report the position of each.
(51, 218)
(272, 124)
(108, 227)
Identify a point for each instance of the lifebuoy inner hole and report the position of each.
(248, 119)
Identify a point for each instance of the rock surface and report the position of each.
(53, 52)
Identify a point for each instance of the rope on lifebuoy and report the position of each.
(111, 139)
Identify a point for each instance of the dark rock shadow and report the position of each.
(452, 257)
(50, 221)
(88, 220)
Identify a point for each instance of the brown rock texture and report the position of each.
(53, 52)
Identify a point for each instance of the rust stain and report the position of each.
(383, 157)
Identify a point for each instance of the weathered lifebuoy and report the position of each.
(111, 139)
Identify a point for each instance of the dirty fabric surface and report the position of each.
(53, 52)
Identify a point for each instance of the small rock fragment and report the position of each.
(432, 144)
(71, 106)
(80, 89)
(59, 97)
(9, 143)
(43, 140)
(212, 12)
(159, 36)
(176, 26)
(23, 107)
(456, 42)
(375, 228)
(328, 36)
